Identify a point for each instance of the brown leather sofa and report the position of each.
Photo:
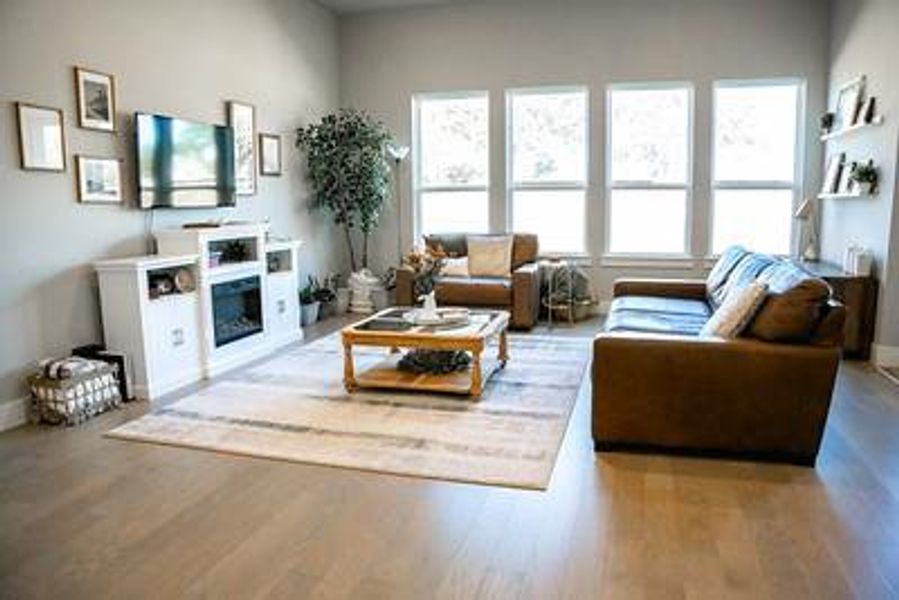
(519, 293)
(659, 386)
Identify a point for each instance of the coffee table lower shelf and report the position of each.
(387, 375)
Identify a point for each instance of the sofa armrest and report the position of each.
(405, 286)
(676, 288)
(525, 295)
(743, 395)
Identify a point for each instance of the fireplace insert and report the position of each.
(236, 309)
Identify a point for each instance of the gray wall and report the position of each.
(168, 56)
(494, 45)
(865, 41)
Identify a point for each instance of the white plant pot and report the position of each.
(380, 298)
(309, 313)
(361, 285)
(863, 187)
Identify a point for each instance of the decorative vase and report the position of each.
(380, 298)
(309, 313)
(343, 300)
(361, 285)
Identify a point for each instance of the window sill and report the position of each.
(577, 258)
(678, 262)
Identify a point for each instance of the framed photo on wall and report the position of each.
(269, 154)
(242, 119)
(96, 99)
(832, 175)
(848, 104)
(42, 144)
(99, 180)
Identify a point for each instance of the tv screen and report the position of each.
(181, 164)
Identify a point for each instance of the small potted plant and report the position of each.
(865, 177)
(325, 297)
(309, 304)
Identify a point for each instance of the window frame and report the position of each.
(797, 186)
(549, 186)
(418, 188)
(688, 186)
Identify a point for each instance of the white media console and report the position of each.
(242, 305)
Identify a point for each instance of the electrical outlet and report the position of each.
(177, 337)
(282, 307)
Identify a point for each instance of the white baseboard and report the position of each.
(13, 413)
(885, 356)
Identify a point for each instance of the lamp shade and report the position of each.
(397, 152)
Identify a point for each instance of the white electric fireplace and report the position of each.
(242, 304)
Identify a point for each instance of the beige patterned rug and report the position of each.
(293, 407)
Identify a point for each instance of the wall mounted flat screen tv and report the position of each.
(182, 164)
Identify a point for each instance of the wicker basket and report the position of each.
(74, 399)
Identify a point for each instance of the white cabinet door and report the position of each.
(283, 308)
(174, 341)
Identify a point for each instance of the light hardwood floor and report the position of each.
(83, 516)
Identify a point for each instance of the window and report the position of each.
(451, 163)
(547, 166)
(649, 150)
(756, 158)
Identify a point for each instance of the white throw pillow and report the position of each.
(736, 312)
(489, 255)
(455, 267)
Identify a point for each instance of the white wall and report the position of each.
(494, 45)
(865, 41)
(183, 58)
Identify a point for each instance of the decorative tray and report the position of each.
(444, 317)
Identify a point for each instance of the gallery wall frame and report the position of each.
(42, 138)
(95, 92)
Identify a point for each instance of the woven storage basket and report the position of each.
(74, 399)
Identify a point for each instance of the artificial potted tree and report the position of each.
(349, 170)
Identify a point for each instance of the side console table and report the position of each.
(859, 294)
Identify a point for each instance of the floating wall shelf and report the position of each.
(878, 120)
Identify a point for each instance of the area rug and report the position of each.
(294, 407)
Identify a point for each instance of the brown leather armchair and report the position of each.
(519, 293)
(659, 386)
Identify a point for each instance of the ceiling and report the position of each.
(356, 6)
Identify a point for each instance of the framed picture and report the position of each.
(832, 175)
(99, 179)
(269, 154)
(846, 184)
(868, 111)
(96, 99)
(242, 119)
(42, 144)
(848, 104)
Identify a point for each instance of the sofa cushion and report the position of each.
(734, 315)
(794, 306)
(655, 322)
(680, 306)
(457, 266)
(722, 269)
(489, 255)
(474, 291)
(453, 244)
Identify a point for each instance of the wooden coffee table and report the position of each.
(387, 329)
